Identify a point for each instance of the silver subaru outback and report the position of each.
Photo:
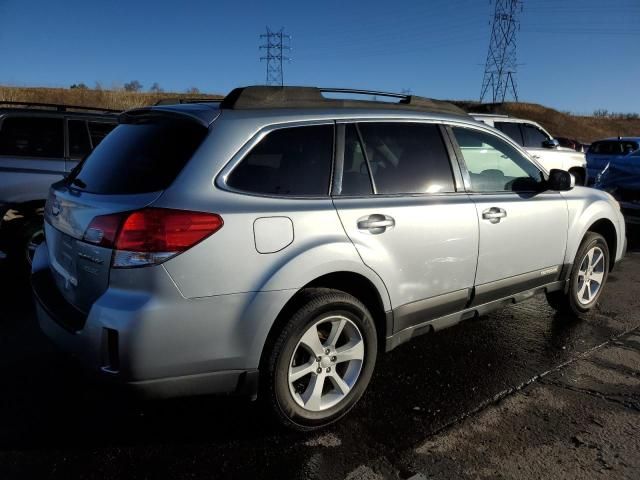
(273, 245)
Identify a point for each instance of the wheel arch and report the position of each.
(607, 229)
(350, 282)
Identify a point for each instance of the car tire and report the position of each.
(26, 236)
(329, 385)
(587, 279)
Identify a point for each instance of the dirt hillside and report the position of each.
(583, 128)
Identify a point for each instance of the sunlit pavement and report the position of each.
(467, 402)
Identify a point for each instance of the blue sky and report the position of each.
(576, 55)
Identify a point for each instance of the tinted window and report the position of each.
(79, 144)
(139, 157)
(32, 137)
(533, 137)
(511, 129)
(289, 161)
(494, 165)
(99, 130)
(355, 173)
(613, 147)
(407, 158)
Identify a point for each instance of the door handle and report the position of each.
(376, 223)
(494, 214)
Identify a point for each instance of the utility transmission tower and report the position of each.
(499, 80)
(275, 53)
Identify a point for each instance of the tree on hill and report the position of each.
(133, 86)
(192, 90)
(156, 88)
(80, 86)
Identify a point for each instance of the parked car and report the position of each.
(572, 144)
(602, 152)
(39, 144)
(621, 178)
(273, 245)
(539, 144)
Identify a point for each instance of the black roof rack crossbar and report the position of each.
(174, 101)
(58, 106)
(261, 97)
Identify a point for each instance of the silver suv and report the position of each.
(39, 144)
(276, 243)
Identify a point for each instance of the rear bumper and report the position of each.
(158, 343)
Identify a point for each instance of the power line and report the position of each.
(500, 68)
(275, 48)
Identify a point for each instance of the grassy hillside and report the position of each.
(585, 129)
(113, 99)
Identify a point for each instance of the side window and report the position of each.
(407, 158)
(290, 161)
(32, 137)
(355, 172)
(99, 130)
(494, 165)
(79, 145)
(512, 130)
(533, 136)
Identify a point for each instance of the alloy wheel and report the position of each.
(591, 275)
(326, 363)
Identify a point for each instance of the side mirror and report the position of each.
(560, 180)
(552, 143)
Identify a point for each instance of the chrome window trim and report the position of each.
(220, 180)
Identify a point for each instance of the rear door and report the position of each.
(523, 230)
(31, 156)
(398, 200)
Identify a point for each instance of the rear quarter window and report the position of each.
(139, 157)
(288, 162)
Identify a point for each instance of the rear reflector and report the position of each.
(151, 235)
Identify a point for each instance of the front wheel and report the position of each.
(588, 276)
(321, 362)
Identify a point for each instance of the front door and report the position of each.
(397, 200)
(523, 230)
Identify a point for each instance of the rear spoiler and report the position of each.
(202, 117)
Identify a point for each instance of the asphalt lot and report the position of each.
(54, 422)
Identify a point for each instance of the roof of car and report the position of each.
(9, 106)
(261, 100)
(620, 139)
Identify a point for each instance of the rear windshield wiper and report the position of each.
(79, 183)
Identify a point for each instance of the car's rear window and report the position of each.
(139, 157)
(613, 147)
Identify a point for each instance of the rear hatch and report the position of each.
(125, 173)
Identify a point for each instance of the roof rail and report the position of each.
(496, 115)
(58, 106)
(260, 97)
(174, 101)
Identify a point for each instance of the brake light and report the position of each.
(151, 235)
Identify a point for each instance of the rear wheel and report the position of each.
(588, 276)
(321, 362)
(26, 236)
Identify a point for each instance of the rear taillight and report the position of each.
(151, 235)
